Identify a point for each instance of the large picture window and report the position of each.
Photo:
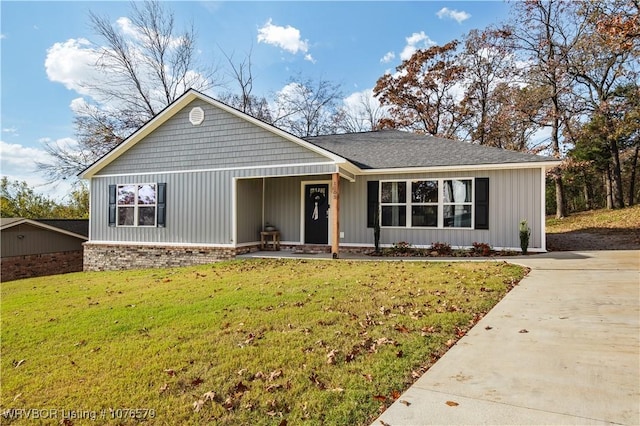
(137, 205)
(431, 203)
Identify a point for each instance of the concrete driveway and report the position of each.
(563, 347)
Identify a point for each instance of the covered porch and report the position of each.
(304, 210)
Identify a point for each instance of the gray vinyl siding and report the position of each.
(223, 140)
(199, 206)
(36, 241)
(249, 208)
(513, 195)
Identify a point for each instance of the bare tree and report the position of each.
(363, 115)
(245, 101)
(143, 67)
(307, 108)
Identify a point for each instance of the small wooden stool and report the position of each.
(265, 242)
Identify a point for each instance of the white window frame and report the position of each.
(136, 205)
(440, 203)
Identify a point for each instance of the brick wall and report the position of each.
(107, 257)
(38, 265)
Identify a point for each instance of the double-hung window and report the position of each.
(427, 203)
(137, 205)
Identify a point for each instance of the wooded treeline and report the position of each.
(560, 78)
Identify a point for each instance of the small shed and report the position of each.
(33, 248)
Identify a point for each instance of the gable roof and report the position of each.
(176, 106)
(395, 149)
(49, 224)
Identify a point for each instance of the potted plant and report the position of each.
(525, 233)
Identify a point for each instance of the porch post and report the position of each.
(335, 214)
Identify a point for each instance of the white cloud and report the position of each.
(18, 162)
(72, 63)
(414, 42)
(286, 38)
(3, 36)
(388, 57)
(11, 130)
(457, 15)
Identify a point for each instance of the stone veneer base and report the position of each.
(110, 257)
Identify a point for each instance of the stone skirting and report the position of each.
(109, 257)
(38, 265)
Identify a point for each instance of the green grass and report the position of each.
(314, 342)
(601, 221)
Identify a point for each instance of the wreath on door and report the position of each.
(318, 199)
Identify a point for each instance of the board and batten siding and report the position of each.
(249, 209)
(199, 205)
(223, 140)
(514, 195)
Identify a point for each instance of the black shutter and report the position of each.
(482, 203)
(112, 205)
(372, 202)
(162, 204)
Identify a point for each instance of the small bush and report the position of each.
(401, 247)
(443, 249)
(482, 249)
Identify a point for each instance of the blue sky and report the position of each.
(42, 46)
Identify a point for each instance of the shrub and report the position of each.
(401, 247)
(443, 249)
(482, 249)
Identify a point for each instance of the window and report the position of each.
(432, 203)
(137, 205)
(457, 203)
(393, 202)
(424, 203)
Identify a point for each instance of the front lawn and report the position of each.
(243, 342)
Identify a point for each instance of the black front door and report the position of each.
(316, 216)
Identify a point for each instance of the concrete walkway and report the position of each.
(577, 363)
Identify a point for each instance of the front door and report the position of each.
(316, 215)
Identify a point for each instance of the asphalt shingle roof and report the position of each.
(390, 149)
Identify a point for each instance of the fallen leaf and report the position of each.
(368, 377)
(383, 423)
(240, 388)
(283, 422)
(209, 396)
(524, 330)
(17, 396)
(164, 387)
(197, 381)
(274, 375)
(331, 357)
(399, 354)
(395, 395)
(273, 387)
(402, 328)
(380, 398)
(17, 364)
(488, 327)
(450, 342)
(198, 405)
(452, 403)
(170, 372)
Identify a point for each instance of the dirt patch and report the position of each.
(595, 239)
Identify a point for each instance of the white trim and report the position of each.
(543, 203)
(302, 207)
(160, 244)
(173, 108)
(501, 166)
(234, 210)
(226, 169)
(440, 204)
(43, 226)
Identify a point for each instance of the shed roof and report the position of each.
(392, 149)
(78, 228)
